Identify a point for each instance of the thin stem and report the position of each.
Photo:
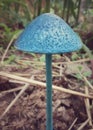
(49, 120)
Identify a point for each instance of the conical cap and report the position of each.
(48, 34)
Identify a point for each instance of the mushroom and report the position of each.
(48, 34)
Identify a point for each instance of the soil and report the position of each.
(29, 111)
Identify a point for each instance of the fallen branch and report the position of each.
(35, 82)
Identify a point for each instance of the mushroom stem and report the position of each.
(49, 119)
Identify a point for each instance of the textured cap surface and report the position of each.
(48, 33)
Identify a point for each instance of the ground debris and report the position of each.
(30, 111)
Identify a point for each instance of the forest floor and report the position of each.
(23, 100)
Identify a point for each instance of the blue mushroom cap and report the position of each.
(48, 33)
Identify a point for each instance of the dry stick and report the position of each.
(69, 62)
(88, 83)
(83, 124)
(87, 100)
(87, 104)
(73, 62)
(70, 128)
(11, 90)
(60, 72)
(38, 83)
(16, 98)
(16, 81)
(3, 57)
(92, 67)
(42, 63)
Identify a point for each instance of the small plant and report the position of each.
(10, 59)
(7, 34)
(80, 75)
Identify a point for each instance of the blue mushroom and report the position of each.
(48, 34)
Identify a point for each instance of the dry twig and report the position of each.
(70, 128)
(41, 84)
(16, 98)
(5, 53)
(83, 124)
(87, 105)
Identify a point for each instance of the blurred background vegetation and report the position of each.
(16, 14)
